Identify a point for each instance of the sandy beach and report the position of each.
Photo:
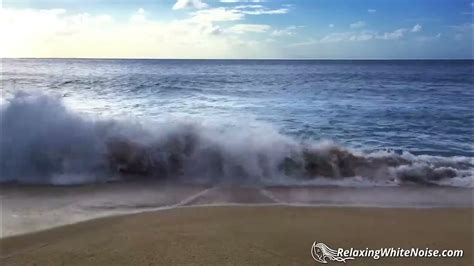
(245, 235)
(236, 132)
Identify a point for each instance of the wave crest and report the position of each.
(43, 142)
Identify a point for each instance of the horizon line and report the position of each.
(249, 59)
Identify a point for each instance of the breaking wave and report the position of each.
(43, 142)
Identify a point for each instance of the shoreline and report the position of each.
(32, 209)
(243, 205)
(245, 235)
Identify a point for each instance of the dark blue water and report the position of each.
(424, 107)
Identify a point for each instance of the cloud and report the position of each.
(217, 14)
(51, 22)
(242, 1)
(347, 37)
(249, 6)
(204, 33)
(362, 37)
(338, 37)
(279, 33)
(60, 33)
(288, 31)
(416, 28)
(394, 35)
(138, 16)
(265, 11)
(259, 10)
(244, 28)
(370, 10)
(429, 38)
(463, 27)
(357, 25)
(463, 31)
(331, 25)
(308, 42)
(54, 24)
(183, 4)
(365, 35)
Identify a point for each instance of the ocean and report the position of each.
(250, 122)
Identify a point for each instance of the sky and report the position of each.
(247, 29)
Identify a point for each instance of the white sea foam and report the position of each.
(44, 142)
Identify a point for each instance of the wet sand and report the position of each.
(169, 224)
(27, 209)
(245, 235)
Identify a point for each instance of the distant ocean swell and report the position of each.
(43, 142)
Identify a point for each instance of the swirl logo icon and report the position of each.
(321, 253)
